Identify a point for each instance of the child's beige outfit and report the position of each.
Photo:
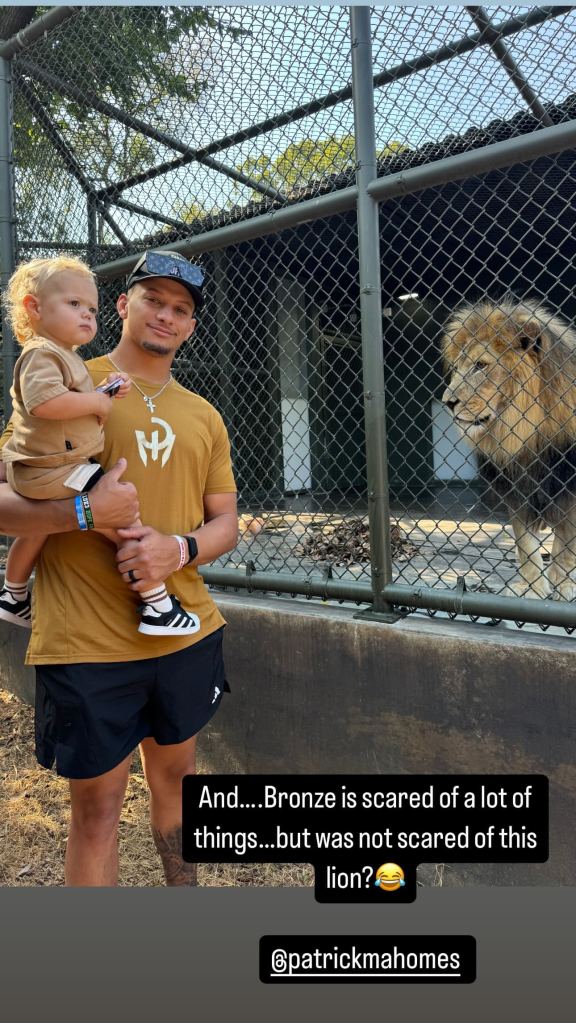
(49, 459)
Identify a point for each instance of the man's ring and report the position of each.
(132, 577)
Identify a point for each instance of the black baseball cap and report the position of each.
(172, 265)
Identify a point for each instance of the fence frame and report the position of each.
(382, 594)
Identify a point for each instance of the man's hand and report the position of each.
(113, 503)
(152, 555)
(149, 554)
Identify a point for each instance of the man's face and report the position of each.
(158, 315)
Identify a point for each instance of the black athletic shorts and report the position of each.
(89, 717)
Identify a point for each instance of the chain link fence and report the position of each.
(233, 135)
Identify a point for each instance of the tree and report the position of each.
(309, 160)
(137, 58)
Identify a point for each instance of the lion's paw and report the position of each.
(566, 590)
(538, 590)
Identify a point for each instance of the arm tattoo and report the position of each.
(176, 870)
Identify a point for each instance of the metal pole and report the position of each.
(41, 26)
(492, 36)
(161, 218)
(457, 602)
(269, 223)
(7, 223)
(222, 306)
(371, 306)
(68, 156)
(33, 244)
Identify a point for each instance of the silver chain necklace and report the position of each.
(148, 398)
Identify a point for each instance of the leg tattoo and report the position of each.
(176, 871)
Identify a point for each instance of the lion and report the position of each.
(512, 394)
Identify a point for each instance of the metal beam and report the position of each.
(493, 38)
(134, 208)
(522, 149)
(268, 223)
(45, 121)
(544, 142)
(517, 609)
(337, 589)
(394, 74)
(64, 246)
(41, 26)
(489, 605)
(90, 99)
(371, 305)
(67, 155)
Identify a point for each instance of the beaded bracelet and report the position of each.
(183, 550)
(80, 512)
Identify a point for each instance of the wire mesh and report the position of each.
(142, 127)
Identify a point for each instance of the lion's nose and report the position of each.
(449, 399)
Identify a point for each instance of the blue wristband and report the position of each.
(80, 513)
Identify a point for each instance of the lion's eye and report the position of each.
(479, 366)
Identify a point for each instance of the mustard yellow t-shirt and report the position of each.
(83, 611)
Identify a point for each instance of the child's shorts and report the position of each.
(54, 483)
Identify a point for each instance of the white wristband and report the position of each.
(183, 550)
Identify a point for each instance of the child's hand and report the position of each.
(125, 383)
(102, 407)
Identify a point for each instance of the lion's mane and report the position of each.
(528, 454)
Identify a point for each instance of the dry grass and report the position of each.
(34, 814)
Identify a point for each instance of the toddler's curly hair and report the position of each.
(29, 279)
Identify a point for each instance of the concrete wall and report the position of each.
(315, 690)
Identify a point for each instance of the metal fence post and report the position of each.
(7, 223)
(371, 307)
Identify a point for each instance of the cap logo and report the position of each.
(175, 272)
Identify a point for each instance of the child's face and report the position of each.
(65, 310)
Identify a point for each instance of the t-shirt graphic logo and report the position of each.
(154, 446)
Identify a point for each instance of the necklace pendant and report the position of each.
(150, 404)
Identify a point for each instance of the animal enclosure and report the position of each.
(348, 179)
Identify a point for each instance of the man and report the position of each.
(103, 687)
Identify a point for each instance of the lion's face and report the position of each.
(476, 393)
(494, 385)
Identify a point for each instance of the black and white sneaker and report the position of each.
(176, 622)
(19, 612)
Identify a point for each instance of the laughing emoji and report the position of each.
(389, 877)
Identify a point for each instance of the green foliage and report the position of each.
(307, 161)
(129, 55)
(141, 59)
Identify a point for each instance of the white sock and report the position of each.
(158, 599)
(18, 591)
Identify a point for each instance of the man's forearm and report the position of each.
(216, 537)
(113, 504)
(20, 516)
